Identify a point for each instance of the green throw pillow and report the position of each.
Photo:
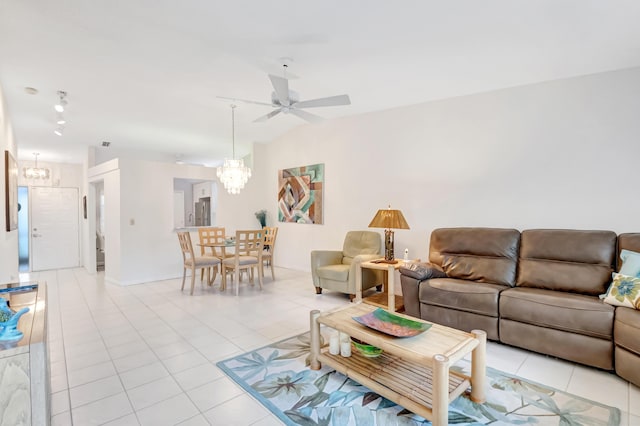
(624, 291)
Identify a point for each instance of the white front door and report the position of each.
(55, 241)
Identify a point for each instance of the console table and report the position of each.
(24, 365)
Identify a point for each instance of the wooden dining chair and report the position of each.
(193, 262)
(270, 233)
(247, 256)
(211, 235)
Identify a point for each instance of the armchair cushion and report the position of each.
(334, 272)
(360, 242)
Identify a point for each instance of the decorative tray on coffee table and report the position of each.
(392, 324)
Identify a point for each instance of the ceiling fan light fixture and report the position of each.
(287, 101)
(233, 173)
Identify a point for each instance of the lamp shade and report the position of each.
(390, 219)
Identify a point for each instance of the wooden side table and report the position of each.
(378, 300)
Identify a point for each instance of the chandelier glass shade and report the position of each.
(233, 173)
(36, 172)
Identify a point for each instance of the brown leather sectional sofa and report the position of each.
(536, 289)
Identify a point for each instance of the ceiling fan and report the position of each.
(287, 101)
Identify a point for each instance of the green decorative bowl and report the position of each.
(366, 349)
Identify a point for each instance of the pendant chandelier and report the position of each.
(36, 172)
(233, 174)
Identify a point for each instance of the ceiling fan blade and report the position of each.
(311, 118)
(267, 116)
(324, 102)
(281, 87)
(244, 101)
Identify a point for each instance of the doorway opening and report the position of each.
(23, 228)
(100, 227)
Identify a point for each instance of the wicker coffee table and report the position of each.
(412, 371)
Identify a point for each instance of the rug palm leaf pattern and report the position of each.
(279, 377)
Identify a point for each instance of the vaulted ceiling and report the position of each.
(145, 75)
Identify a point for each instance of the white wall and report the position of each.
(559, 154)
(140, 242)
(8, 240)
(237, 212)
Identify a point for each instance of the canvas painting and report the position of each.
(11, 191)
(300, 192)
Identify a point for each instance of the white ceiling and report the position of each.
(145, 74)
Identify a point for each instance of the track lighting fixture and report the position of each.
(59, 107)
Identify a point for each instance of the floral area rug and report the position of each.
(278, 376)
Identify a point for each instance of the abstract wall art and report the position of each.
(300, 194)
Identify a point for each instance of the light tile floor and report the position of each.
(146, 354)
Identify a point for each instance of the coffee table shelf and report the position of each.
(412, 372)
(404, 382)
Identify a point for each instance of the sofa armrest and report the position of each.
(422, 271)
(410, 295)
(323, 258)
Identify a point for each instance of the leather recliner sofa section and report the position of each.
(536, 289)
(626, 328)
(554, 307)
(479, 263)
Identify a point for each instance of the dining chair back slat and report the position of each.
(207, 236)
(193, 262)
(247, 256)
(270, 234)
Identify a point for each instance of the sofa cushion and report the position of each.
(478, 254)
(627, 329)
(566, 260)
(479, 268)
(575, 313)
(462, 295)
(421, 271)
(334, 272)
(623, 291)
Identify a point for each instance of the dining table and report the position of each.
(222, 245)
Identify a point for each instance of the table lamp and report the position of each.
(389, 219)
